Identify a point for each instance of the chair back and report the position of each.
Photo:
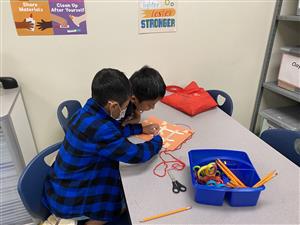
(287, 142)
(72, 107)
(227, 105)
(31, 183)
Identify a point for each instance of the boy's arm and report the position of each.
(114, 146)
(132, 129)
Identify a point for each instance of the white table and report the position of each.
(149, 195)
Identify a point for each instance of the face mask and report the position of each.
(122, 113)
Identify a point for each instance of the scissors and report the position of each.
(177, 187)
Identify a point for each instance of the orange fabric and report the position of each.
(173, 135)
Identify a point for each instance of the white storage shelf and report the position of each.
(283, 36)
(272, 86)
(17, 148)
(12, 210)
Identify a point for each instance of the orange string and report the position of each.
(174, 164)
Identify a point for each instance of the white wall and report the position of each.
(220, 44)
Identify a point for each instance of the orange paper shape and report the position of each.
(173, 135)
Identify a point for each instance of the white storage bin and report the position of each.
(289, 73)
(284, 117)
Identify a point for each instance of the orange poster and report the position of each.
(173, 135)
(31, 17)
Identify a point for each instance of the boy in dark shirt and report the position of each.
(148, 87)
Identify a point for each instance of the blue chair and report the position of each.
(31, 184)
(72, 107)
(124, 219)
(286, 142)
(227, 106)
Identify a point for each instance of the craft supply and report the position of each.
(173, 164)
(208, 174)
(233, 184)
(165, 214)
(208, 170)
(240, 164)
(173, 135)
(229, 174)
(230, 185)
(196, 168)
(265, 179)
(177, 187)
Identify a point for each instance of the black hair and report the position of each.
(110, 84)
(147, 84)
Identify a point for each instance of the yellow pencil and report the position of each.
(228, 172)
(264, 178)
(267, 178)
(165, 214)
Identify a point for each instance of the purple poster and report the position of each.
(68, 16)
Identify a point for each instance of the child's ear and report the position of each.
(112, 106)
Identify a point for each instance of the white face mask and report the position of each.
(122, 113)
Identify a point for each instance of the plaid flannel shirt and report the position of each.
(85, 178)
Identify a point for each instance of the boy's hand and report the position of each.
(151, 129)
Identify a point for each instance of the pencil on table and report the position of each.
(228, 172)
(265, 179)
(165, 214)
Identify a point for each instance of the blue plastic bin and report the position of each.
(239, 163)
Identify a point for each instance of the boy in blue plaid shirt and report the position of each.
(84, 181)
